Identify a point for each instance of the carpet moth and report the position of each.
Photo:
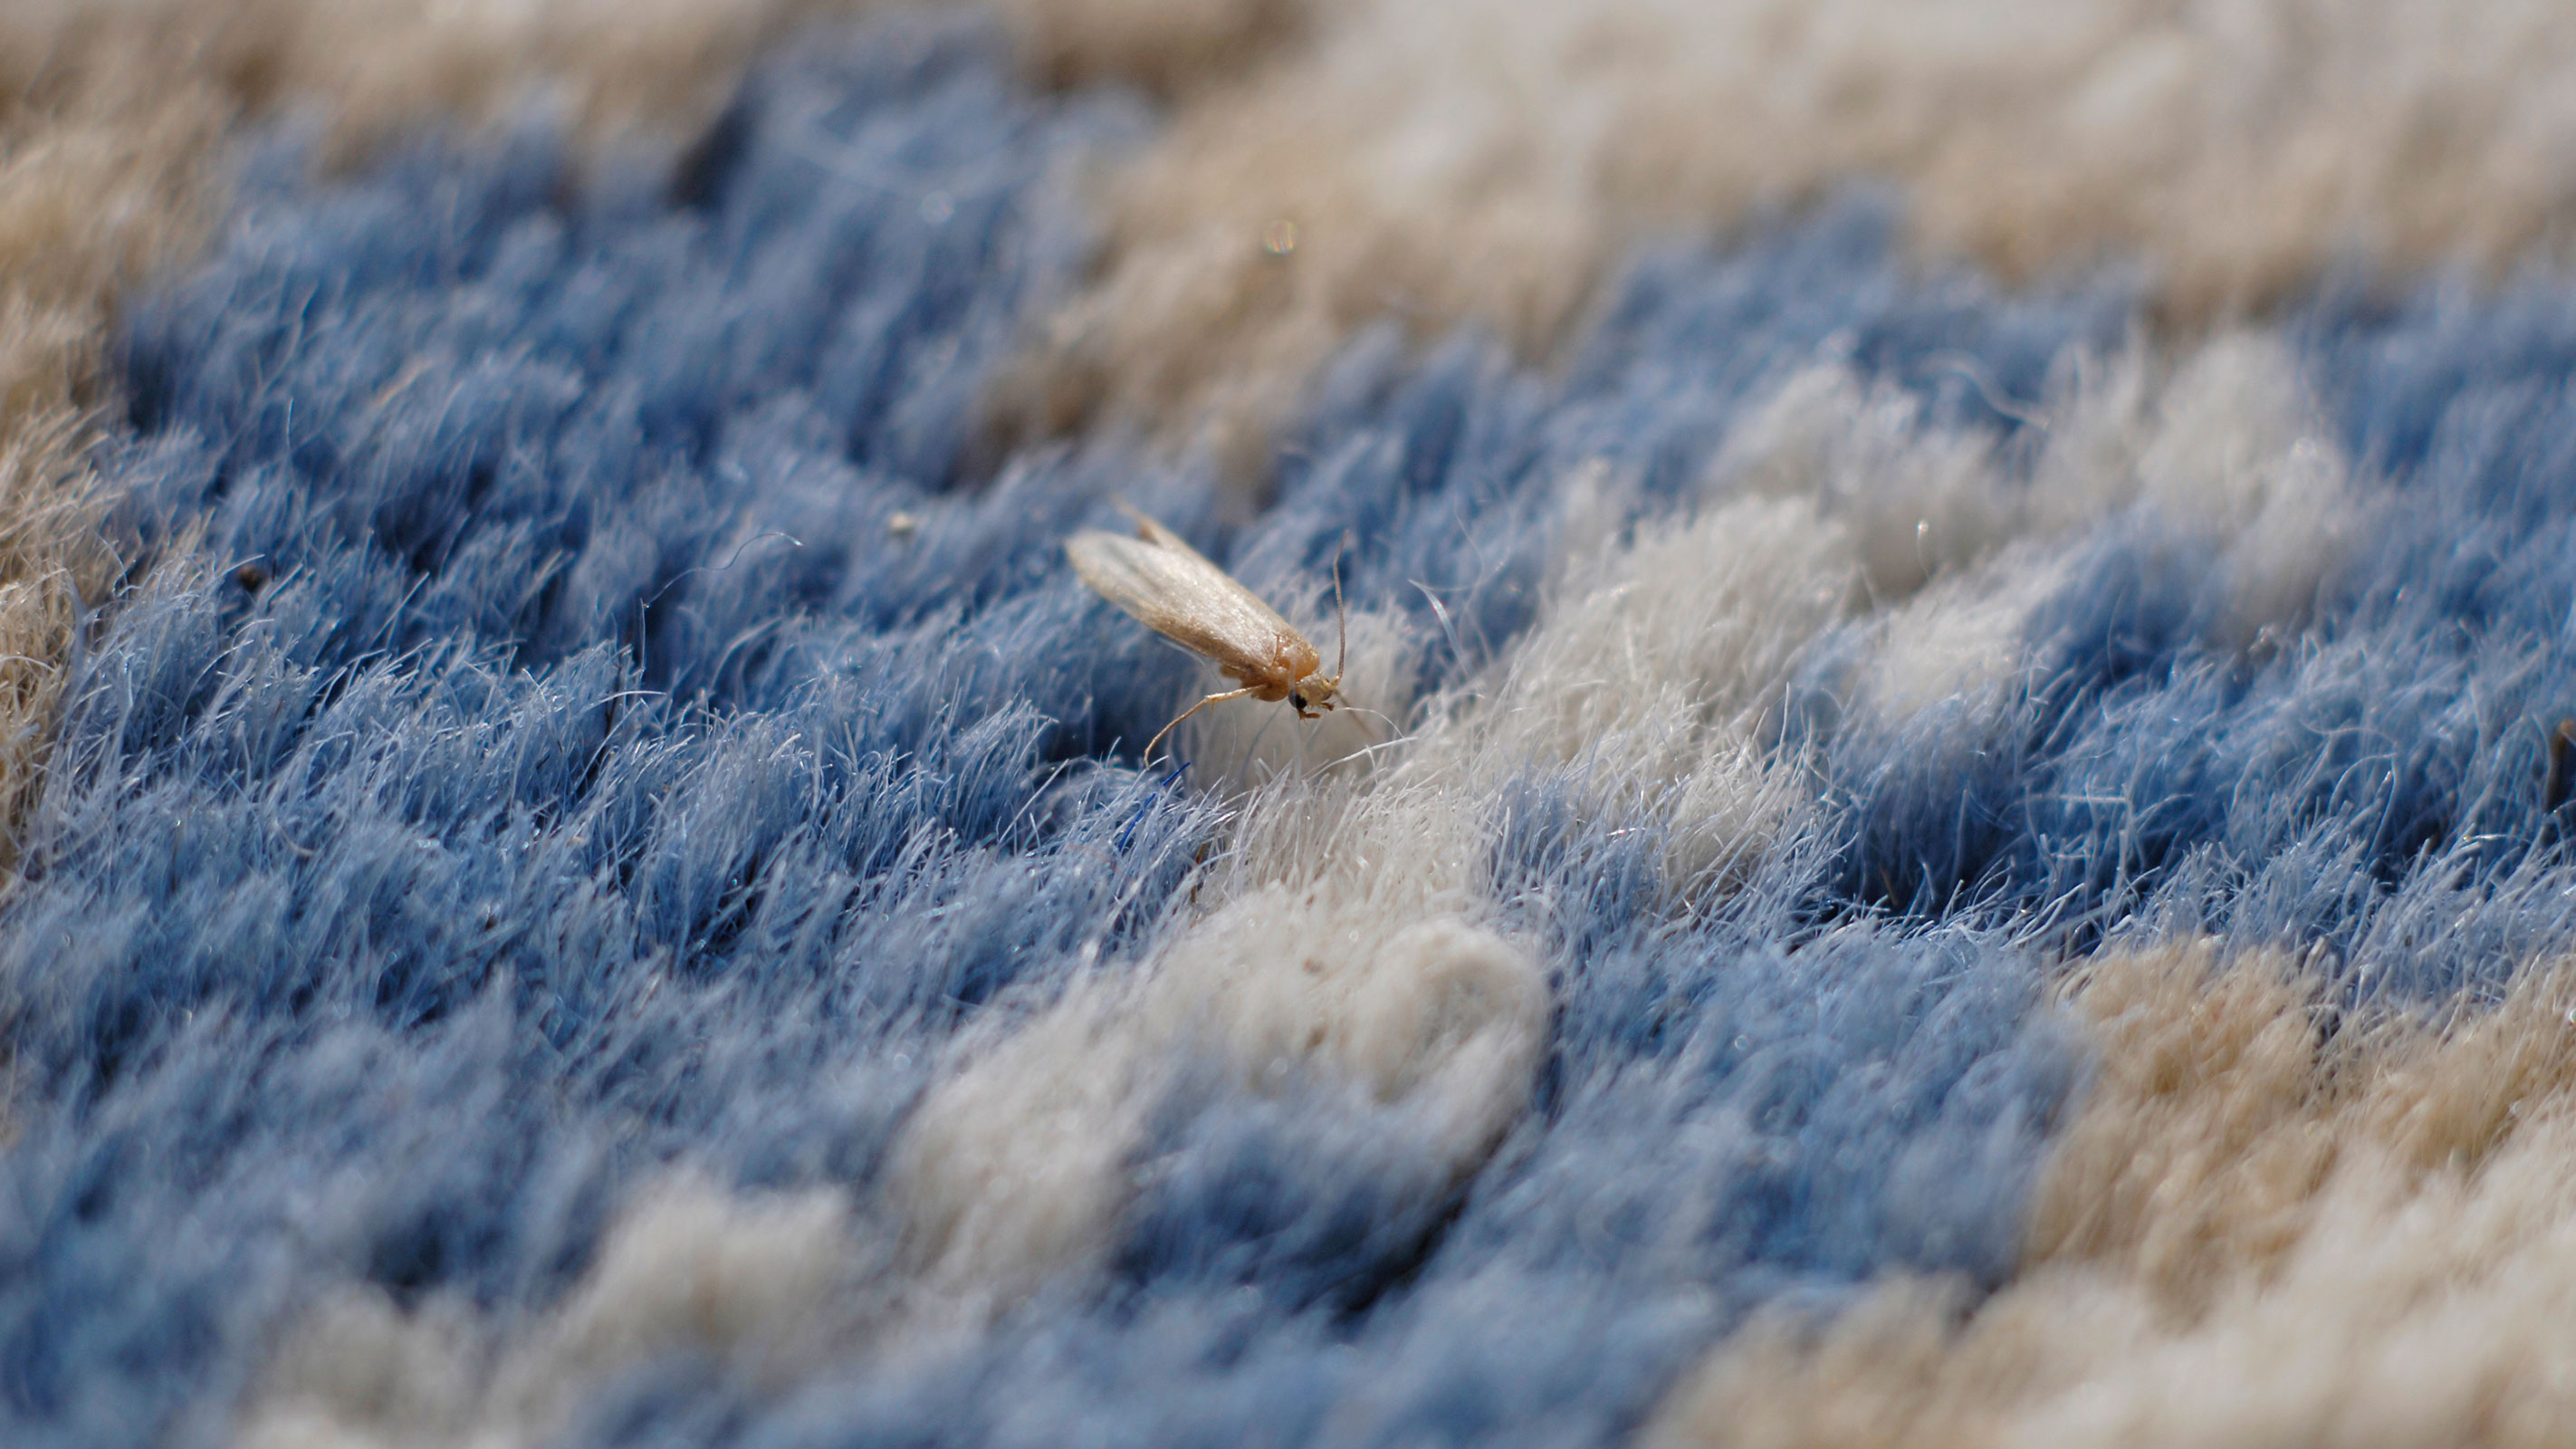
(1172, 589)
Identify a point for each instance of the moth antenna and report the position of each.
(1185, 714)
(1341, 620)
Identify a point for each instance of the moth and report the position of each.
(1172, 589)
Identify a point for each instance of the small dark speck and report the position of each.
(251, 576)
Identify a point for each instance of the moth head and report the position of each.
(1312, 693)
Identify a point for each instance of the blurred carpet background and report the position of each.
(1954, 830)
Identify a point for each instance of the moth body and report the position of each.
(1174, 590)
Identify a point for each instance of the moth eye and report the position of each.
(1296, 700)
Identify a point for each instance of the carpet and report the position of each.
(1948, 825)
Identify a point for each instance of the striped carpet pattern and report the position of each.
(1950, 824)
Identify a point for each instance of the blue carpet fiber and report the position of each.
(597, 710)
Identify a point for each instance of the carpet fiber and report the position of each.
(1950, 826)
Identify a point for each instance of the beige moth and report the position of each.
(1172, 589)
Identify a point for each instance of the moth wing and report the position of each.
(1173, 590)
(1161, 537)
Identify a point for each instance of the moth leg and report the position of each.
(1185, 714)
